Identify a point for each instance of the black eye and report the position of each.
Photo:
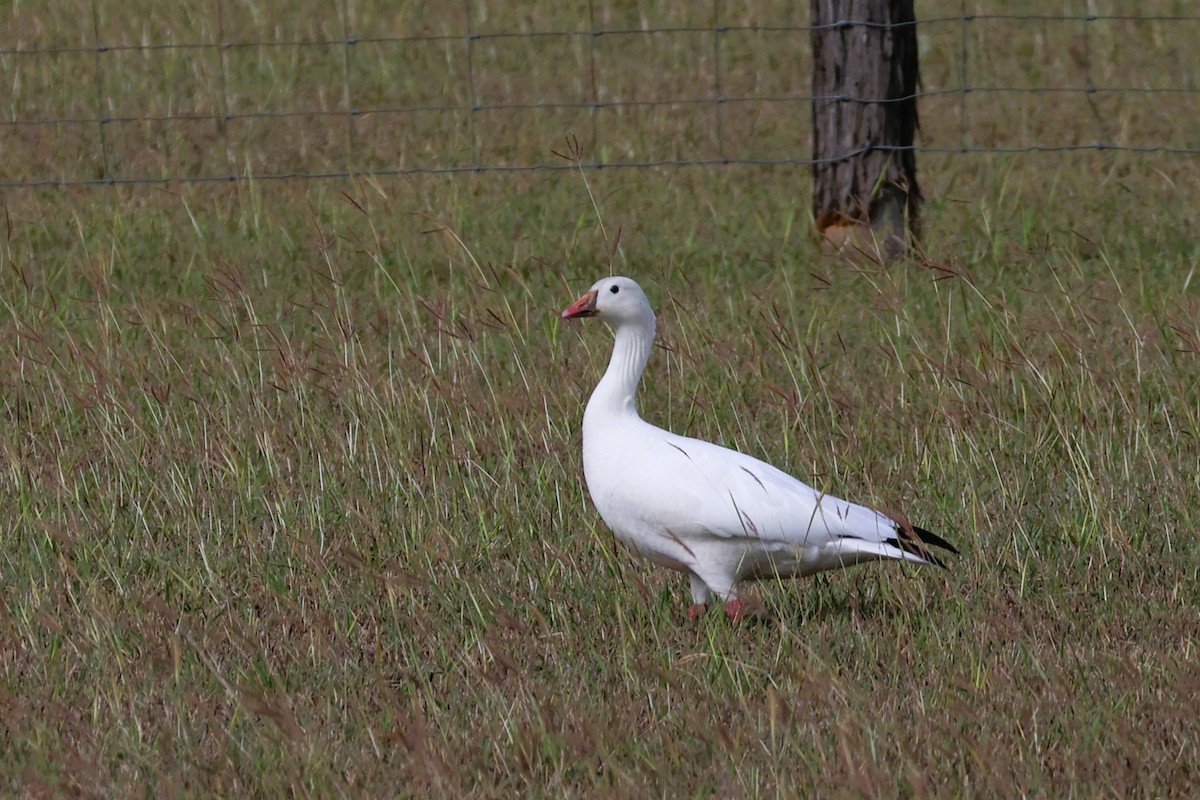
(615, 289)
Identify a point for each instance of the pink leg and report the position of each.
(734, 609)
(697, 610)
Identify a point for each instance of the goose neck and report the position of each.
(617, 391)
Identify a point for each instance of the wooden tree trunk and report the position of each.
(865, 200)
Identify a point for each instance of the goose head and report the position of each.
(617, 301)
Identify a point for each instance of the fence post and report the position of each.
(865, 194)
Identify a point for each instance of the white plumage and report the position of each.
(719, 515)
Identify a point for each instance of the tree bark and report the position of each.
(865, 199)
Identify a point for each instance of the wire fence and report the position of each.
(223, 91)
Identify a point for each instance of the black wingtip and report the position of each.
(932, 538)
(909, 546)
(905, 541)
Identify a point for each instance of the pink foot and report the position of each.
(734, 609)
(697, 610)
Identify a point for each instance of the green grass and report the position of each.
(294, 502)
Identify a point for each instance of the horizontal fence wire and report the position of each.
(302, 108)
(596, 33)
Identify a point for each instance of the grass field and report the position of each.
(293, 498)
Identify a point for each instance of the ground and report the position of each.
(295, 503)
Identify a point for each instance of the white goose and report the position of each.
(721, 516)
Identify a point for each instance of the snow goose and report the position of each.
(721, 516)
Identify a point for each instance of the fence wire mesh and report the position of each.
(144, 92)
